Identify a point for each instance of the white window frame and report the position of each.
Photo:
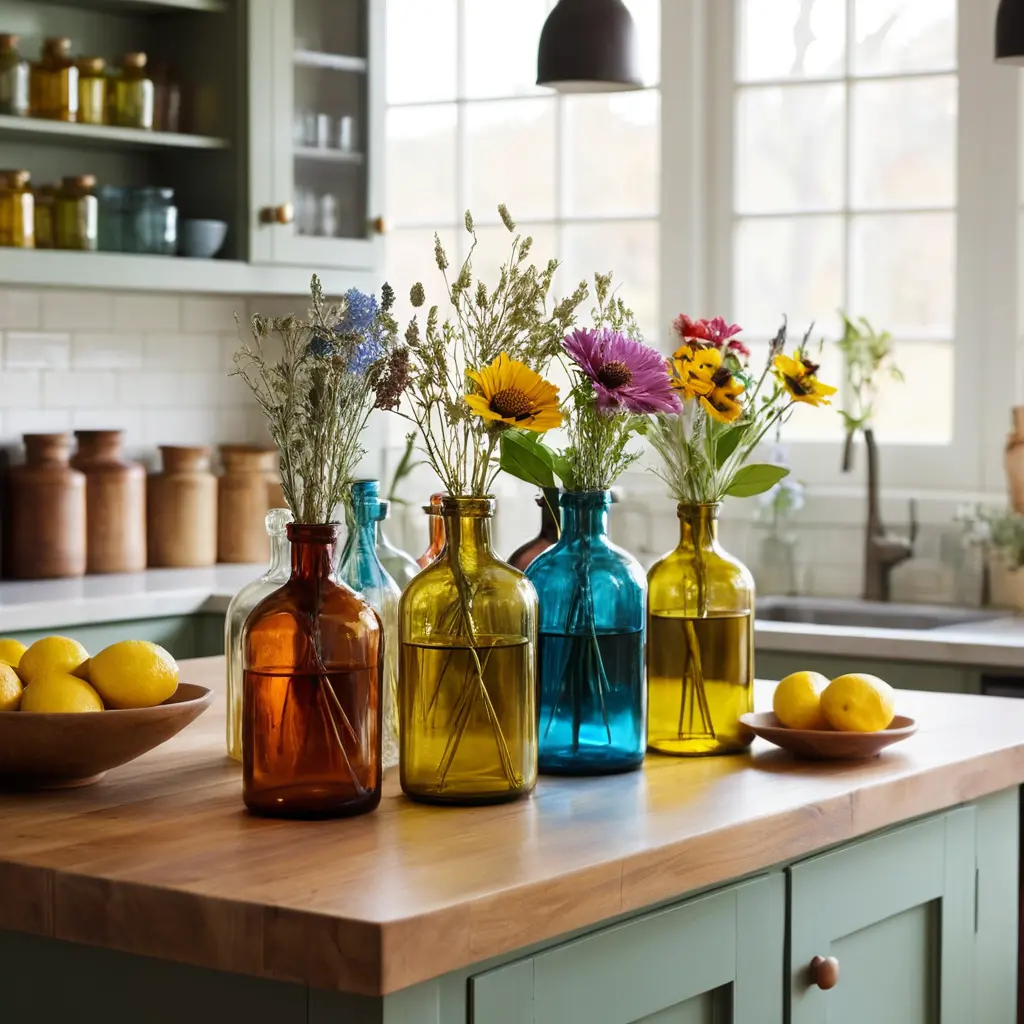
(698, 87)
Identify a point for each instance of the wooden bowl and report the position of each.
(58, 751)
(824, 744)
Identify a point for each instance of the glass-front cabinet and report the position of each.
(317, 127)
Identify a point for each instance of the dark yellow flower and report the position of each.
(510, 392)
(720, 403)
(692, 368)
(799, 376)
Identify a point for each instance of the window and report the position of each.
(468, 129)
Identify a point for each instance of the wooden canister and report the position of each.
(242, 503)
(47, 509)
(1014, 460)
(115, 502)
(181, 510)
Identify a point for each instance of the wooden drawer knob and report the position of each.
(379, 226)
(825, 972)
(283, 214)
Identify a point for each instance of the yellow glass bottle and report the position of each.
(44, 199)
(92, 90)
(17, 211)
(53, 82)
(133, 93)
(76, 214)
(467, 673)
(700, 643)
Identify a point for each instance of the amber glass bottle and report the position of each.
(53, 82)
(436, 526)
(133, 93)
(467, 673)
(313, 660)
(700, 643)
(17, 211)
(92, 90)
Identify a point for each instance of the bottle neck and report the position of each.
(549, 519)
(467, 530)
(698, 525)
(313, 548)
(585, 515)
(280, 553)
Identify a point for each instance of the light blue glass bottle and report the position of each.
(400, 565)
(361, 569)
(593, 697)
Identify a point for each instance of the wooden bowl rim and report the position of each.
(200, 695)
(766, 721)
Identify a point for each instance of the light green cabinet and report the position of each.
(716, 958)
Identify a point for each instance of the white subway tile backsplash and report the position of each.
(229, 345)
(204, 313)
(181, 351)
(76, 310)
(36, 421)
(177, 426)
(78, 389)
(36, 350)
(127, 420)
(106, 350)
(19, 309)
(145, 313)
(20, 389)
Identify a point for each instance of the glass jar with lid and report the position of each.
(17, 216)
(13, 77)
(53, 82)
(156, 221)
(133, 93)
(92, 90)
(44, 198)
(116, 231)
(76, 214)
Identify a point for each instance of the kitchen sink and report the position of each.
(867, 614)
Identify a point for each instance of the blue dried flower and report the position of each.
(361, 319)
(321, 348)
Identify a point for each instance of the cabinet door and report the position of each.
(317, 108)
(714, 959)
(897, 913)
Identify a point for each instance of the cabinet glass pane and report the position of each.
(904, 142)
(789, 148)
(422, 57)
(894, 36)
(330, 118)
(422, 137)
(791, 39)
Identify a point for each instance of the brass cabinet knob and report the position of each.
(283, 214)
(825, 972)
(379, 226)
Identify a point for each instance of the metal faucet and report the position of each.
(882, 551)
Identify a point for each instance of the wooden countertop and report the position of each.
(161, 858)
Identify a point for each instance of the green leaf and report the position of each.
(727, 444)
(563, 470)
(755, 479)
(526, 459)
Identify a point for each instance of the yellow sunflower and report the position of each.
(799, 376)
(720, 403)
(510, 392)
(692, 368)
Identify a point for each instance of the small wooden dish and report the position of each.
(824, 744)
(59, 751)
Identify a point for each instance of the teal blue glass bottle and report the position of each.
(593, 697)
(361, 569)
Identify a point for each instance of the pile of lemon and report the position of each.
(56, 676)
(856, 702)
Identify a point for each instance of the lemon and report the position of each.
(10, 688)
(797, 701)
(858, 703)
(59, 693)
(51, 654)
(11, 652)
(133, 674)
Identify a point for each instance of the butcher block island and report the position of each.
(752, 889)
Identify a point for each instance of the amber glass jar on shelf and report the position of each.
(133, 93)
(700, 643)
(76, 214)
(92, 90)
(313, 660)
(13, 77)
(467, 669)
(44, 200)
(53, 82)
(17, 211)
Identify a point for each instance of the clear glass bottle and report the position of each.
(467, 674)
(700, 643)
(76, 214)
(360, 568)
(313, 661)
(436, 526)
(14, 78)
(53, 82)
(134, 93)
(156, 221)
(92, 90)
(592, 691)
(17, 211)
(238, 611)
(112, 201)
(400, 566)
(44, 200)
(549, 530)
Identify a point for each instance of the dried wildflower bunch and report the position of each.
(337, 365)
(478, 374)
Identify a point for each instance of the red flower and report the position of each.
(738, 349)
(714, 332)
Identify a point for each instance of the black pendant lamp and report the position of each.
(588, 46)
(1010, 32)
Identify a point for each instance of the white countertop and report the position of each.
(48, 604)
